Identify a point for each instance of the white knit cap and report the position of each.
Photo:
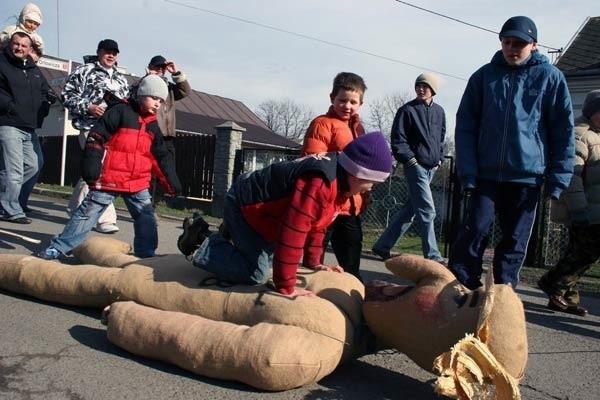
(31, 12)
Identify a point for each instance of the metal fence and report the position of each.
(388, 197)
(194, 158)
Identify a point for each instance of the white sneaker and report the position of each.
(107, 228)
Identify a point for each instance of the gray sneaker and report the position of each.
(49, 253)
(107, 228)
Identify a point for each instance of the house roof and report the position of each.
(198, 113)
(583, 52)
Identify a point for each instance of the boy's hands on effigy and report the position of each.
(322, 267)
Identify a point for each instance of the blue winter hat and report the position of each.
(367, 157)
(522, 27)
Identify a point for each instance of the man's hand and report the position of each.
(96, 110)
(334, 268)
(171, 67)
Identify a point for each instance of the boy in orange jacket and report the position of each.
(332, 132)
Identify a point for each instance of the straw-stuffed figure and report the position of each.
(166, 309)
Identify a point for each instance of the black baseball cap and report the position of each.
(522, 27)
(108, 44)
(157, 61)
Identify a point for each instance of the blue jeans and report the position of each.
(247, 260)
(18, 164)
(516, 206)
(419, 206)
(28, 185)
(86, 216)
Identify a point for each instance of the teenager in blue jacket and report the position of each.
(514, 133)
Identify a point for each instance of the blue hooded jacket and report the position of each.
(515, 124)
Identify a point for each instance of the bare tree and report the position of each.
(383, 109)
(285, 117)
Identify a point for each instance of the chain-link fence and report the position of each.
(554, 239)
(388, 197)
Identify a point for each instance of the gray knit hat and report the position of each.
(591, 104)
(430, 80)
(153, 85)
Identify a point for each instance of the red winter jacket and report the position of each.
(291, 204)
(122, 151)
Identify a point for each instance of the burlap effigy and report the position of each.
(469, 371)
(85, 285)
(266, 356)
(426, 320)
(171, 283)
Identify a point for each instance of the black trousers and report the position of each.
(155, 188)
(345, 234)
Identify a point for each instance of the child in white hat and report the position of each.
(29, 20)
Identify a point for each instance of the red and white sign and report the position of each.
(52, 63)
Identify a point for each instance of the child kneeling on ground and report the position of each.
(274, 215)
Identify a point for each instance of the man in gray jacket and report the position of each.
(178, 89)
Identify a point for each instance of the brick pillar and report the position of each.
(228, 142)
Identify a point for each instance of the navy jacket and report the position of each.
(418, 132)
(515, 124)
(24, 91)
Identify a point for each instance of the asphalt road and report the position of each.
(49, 351)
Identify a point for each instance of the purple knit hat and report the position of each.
(367, 157)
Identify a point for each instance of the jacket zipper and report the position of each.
(505, 129)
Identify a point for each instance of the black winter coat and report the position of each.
(418, 132)
(24, 100)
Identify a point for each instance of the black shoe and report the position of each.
(385, 255)
(571, 309)
(224, 231)
(195, 231)
(27, 210)
(557, 300)
(21, 220)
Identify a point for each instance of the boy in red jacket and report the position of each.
(122, 151)
(276, 214)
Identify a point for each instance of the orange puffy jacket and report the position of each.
(329, 133)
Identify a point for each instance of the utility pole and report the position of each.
(57, 30)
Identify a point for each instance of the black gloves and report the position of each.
(92, 158)
(51, 97)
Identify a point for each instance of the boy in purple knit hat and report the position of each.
(274, 215)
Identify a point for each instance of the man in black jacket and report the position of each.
(418, 135)
(23, 98)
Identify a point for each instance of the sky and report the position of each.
(254, 51)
